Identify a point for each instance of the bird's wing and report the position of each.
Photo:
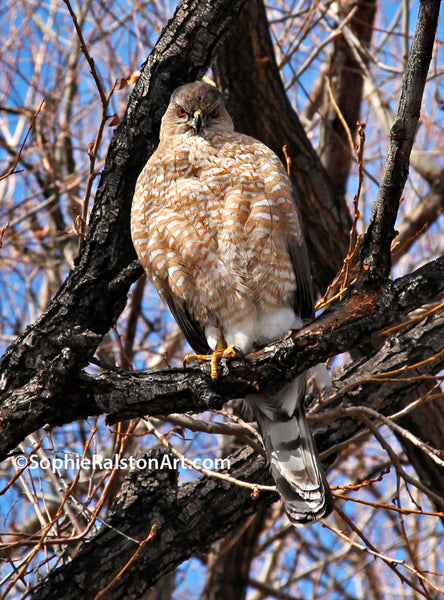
(191, 329)
(303, 304)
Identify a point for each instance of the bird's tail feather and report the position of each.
(294, 460)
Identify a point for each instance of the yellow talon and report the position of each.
(222, 351)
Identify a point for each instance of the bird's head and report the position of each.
(195, 109)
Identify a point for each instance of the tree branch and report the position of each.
(375, 250)
(121, 394)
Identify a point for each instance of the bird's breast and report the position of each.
(211, 227)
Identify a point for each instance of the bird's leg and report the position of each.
(221, 351)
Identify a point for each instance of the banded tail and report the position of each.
(291, 451)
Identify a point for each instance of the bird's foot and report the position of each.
(228, 352)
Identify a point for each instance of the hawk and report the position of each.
(215, 227)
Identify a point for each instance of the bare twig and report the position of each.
(254, 487)
(12, 170)
(149, 537)
(93, 149)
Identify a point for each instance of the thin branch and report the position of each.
(120, 574)
(80, 224)
(255, 487)
(389, 561)
(12, 170)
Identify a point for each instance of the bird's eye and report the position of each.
(181, 112)
(215, 113)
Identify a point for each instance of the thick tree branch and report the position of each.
(431, 206)
(354, 321)
(123, 394)
(43, 382)
(190, 518)
(375, 250)
(43, 365)
(376, 246)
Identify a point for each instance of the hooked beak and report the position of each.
(198, 121)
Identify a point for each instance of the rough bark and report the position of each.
(43, 364)
(188, 519)
(248, 61)
(376, 246)
(421, 217)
